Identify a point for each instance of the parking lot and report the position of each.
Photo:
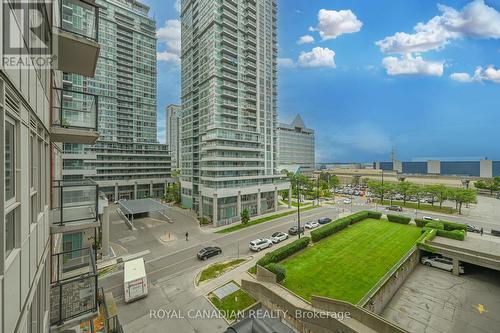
(432, 300)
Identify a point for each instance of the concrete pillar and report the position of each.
(290, 197)
(200, 205)
(276, 199)
(238, 204)
(135, 190)
(258, 202)
(105, 231)
(486, 169)
(215, 217)
(151, 189)
(116, 192)
(456, 270)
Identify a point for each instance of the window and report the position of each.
(10, 232)
(10, 162)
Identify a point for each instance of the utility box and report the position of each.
(135, 281)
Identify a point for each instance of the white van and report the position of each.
(135, 280)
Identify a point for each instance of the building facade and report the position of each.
(296, 150)
(172, 135)
(229, 110)
(42, 285)
(476, 169)
(127, 161)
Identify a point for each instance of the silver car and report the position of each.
(278, 237)
(442, 263)
(260, 244)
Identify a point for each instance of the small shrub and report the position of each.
(284, 252)
(277, 269)
(374, 215)
(421, 223)
(454, 226)
(453, 234)
(330, 229)
(435, 225)
(398, 219)
(358, 217)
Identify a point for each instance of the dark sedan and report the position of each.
(324, 220)
(208, 252)
(295, 230)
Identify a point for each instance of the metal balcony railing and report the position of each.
(74, 109)
(74, 285)
(80, 17)
(74, 201)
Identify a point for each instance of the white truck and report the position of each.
(135, 281)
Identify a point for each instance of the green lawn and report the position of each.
(349, 263)
(231, 304)
(262, 220)
(216, 270)
(423, 206)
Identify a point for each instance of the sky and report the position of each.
(419, 76)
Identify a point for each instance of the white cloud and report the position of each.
(170, 36)
(409, 65)
(177, 5)
(476, 19)
(317, 57)
(332, 23)
(461, 77)
(480, 75)
(305, 39)
(286, 62)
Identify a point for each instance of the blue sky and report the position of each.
(421, 76)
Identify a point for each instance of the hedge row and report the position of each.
(284, 252)
(453, 234)
(277, 269)
(435, 225)
(428, 235)
(330, 229)
(449, 226)
(374, 215)
(398, 219)
(358, 217)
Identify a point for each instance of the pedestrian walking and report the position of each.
(482, 231)
(187, 236)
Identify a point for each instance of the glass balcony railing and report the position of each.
(74, 110)
(73, 289)
(74, 202)
(80, 17)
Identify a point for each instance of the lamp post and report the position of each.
(382, 189)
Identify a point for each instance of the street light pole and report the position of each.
(298, 206)
(382, 189)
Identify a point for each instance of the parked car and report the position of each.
(324, 220)
(395, 208)
(278, 237)
(311, 225)
(347, 201)
(441, 262)
(473, 228)
(208, 252)
(260, 244)
(430, 218)
(295, 230)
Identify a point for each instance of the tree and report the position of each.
(492, 185)
(377, 188)
(391, 189)
(418, 192)
(463, 196)
(245, 216)
(442, 193)
(432, 191)
(404, 189)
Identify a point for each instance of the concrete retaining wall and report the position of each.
(265, 275)
(377, 298)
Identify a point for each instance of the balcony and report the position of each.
(74, 205)
(73, 288)
(75, 41)
(74, 117)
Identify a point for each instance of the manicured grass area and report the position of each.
(231, 304)
(423, 206)
(262, 220)
(349, 263)
(216, 270)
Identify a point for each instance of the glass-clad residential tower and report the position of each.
(229, 91)
(127, 162)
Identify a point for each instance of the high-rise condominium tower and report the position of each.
(229, 90)
(127, 162)
(172, 134)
